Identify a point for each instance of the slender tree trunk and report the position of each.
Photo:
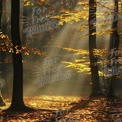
(114, 43)
(92, 45)
(2, 103)
(4, 22)
(1, 8)
(17, 96)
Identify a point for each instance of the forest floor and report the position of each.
(67, 109)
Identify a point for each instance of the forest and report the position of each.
(60, 61)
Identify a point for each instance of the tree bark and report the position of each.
(2, 103)
(17, 95)
(17, 103)
(96, 91)
(1, 8)
(114, 43)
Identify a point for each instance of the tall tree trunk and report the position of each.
(17, 96)
(96, 91)
(2, 103)
(1, 8)
(114, 43)
(17, 103)
(4, 22)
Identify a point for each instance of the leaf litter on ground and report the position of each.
(54, 109)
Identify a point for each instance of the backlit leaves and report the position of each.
(109, 31)
(83, 3)
(28, 3)
(81, 14)
(79, 67)
(77, 51)
(101, 52)
(71, 16)
(6, 45)
(81, 63)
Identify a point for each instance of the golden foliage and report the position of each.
(28, 3)
(83, 3)
(81, 63)
(77, 51)
(79, 67)
(6, 45)
(82, 13)
(67, 16)
(101, 52)
(109, 31)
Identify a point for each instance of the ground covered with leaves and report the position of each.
(67, 109)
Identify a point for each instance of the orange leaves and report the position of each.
(28, 51)
(17, 50)
(80, 109)
(6, 45)
(3, 49)
(3, 36)
(24, 48)
(28, 3)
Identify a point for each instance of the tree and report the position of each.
(114, 44)
(17, 103)
(2, 103)
(92, 45)
(77, 16)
